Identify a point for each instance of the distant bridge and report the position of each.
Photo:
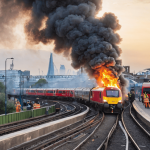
(52, 76)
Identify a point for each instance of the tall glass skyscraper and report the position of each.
(51, 66)
(62, 70)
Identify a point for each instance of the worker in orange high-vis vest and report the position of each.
(18, 106)
(36, 106)
(146, 100)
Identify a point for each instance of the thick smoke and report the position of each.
(71, 24)
(10, 11)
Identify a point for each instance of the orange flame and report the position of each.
(106, 78)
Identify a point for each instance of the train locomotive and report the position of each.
(107, 99)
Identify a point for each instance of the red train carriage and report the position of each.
(40, 92)
(146, 89)
(31, 92)
(108, 99)
(49, 92)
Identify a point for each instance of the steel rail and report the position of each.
(56, 139)
(33, 142)
(72, 135)
(78, 146)
(105, 142)
(37, 122)
(25, 120)
(132, 140)
(138, 123)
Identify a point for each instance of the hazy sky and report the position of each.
(134, 17)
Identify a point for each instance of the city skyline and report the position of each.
(135, 44)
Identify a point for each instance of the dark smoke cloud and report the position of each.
(72, 25)
(10, 10)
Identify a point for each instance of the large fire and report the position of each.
(107, 78)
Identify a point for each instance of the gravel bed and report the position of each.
(136, 132)
(140, 121)
(62, 131)
(118, 141)
(94, 142)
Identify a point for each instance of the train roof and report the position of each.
(146, 84)
(85, 89)
(107, 88)
(98, 89)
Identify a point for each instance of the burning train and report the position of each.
(107, 99)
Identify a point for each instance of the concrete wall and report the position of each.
(17, 138)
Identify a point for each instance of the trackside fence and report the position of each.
(25, 115)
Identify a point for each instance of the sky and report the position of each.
(134, 18)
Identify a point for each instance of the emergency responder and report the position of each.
(146, 100)
(129, 96)
(29, 105)
(132, 96)
(18, 106)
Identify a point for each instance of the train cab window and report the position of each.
(71, 92)
(147, 90)
(112, 93)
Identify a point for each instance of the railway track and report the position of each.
(26, 120)
(60, 136)
(100, 135)
(19, 125)
(138, 134)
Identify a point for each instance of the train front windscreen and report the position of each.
(146, 90)
(112, 93)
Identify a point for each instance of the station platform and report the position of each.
(142, 112)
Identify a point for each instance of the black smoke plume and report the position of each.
(92, 42)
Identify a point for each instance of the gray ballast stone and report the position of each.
(19, 137)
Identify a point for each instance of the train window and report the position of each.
(91, 93)
(63, 92)
(32, 91)
(40, 91)
(147, 90)
(60, 92)
(112, 93)
(71, 92)
(49, 91)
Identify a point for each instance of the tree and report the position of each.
(10, 105)
(2, 87)
(40, 83)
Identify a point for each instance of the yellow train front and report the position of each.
(109, 99)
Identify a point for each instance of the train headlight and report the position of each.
(105, 100)
(120, 101)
